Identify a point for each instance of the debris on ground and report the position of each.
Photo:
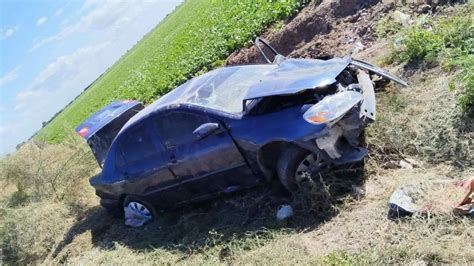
(284, 212)
(405, 165)
(411, 199)
(413, 162)
(133, 218)
(358, 191)
(401, 202)
(423, 9)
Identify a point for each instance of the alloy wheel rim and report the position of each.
(311, 163)
(140, 208)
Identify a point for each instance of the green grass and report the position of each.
(448, 42)
(192, 39)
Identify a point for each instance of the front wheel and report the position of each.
(296, 165)
(140, 206)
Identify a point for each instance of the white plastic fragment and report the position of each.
(401, 202)
(358, 46)
(358, 191)
(134, 218)
(413, 162)
(284, 212)
(405, 165)
(368, 107)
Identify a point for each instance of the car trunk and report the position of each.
(100, 129)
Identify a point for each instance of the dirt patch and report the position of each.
(327, 29)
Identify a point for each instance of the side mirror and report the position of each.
(205, 130)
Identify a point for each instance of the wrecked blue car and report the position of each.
(233, 128)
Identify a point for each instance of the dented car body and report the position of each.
(236, 127)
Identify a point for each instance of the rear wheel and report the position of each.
(140, 206)
(296, 165)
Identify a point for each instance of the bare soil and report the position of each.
(319, 30)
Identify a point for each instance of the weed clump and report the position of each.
(448, 42)
(49, 186)
(41, 171)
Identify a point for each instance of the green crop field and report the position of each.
(198, 35)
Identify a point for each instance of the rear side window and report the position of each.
(177, 128)
(137, 145)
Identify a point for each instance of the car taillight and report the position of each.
(332, 107)
(83, 132)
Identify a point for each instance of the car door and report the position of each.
(203, 166)
(146, 167)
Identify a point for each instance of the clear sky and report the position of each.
(51, 50)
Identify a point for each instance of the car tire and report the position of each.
(134, 201)
(287, 165)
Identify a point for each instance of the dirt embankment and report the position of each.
(331, 28)
(327, 29)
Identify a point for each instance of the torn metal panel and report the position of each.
(377, 70)
(368, 105)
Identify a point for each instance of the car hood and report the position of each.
(295, 75)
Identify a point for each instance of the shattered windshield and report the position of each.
(221, 89)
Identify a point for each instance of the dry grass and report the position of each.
(359, 233)
(40, 171)
(424, 120)
(44, 188)
(28, 234)
(362, 233)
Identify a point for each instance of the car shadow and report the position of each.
(230, 218)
